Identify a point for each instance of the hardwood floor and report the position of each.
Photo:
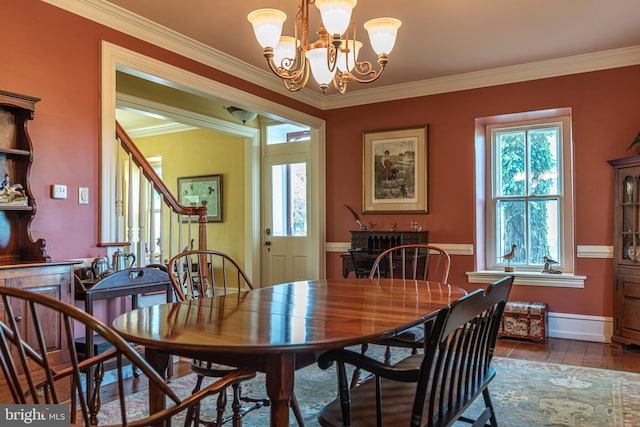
(571, 352)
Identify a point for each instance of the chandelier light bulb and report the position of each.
(382, 34)
(267, 25)
(285, 49)
(336, 14)
(319, 70)
(346, 59)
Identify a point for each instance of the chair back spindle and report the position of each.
(433, 389)
(414, 261)
(32, 377)
(209, 273)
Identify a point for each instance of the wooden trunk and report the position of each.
(526, 320)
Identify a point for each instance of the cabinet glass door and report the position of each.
(630, 226)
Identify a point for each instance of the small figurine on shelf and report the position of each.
(635, 141)
(548, 262)
(509, 256)
(13, 194)
(356, 217)
(6, 182)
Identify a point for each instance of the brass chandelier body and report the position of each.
(340, 60)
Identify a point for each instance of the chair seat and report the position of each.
(411, 335)
(209, 369)
(396, 408)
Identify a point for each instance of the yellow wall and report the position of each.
(204, 152)
(135, 86)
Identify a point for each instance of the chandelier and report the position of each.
(333, 57)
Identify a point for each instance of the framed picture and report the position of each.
(199, 190)
(394, 168)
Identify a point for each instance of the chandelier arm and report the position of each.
(285, 73)
(332, 56)
(297, 82)
(366, 69)
(340, 81)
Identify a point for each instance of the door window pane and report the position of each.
(284, 132)
(289, 182)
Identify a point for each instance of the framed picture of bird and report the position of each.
(394, 168)
(202, 190)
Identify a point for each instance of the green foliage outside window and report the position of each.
(527, 194)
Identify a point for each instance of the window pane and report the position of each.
(544, 161)
(544, 229)
(285, 132)
(289, 202)
(511, 152)
(511, 230)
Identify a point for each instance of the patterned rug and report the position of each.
(524, 393)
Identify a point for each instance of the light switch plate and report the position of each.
(83, 195)
(58, 191)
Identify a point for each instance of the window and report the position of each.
(284, 132)
(529, 194)
(289, 203)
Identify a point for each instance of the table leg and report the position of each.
(159, 361)
(279, 374)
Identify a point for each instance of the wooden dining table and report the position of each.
(281, 328)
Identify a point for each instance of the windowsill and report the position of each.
(529, 278)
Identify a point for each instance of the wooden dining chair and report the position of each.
(208, 273)
(33, 376)
(414, 262)
(432, 389)
(361, 262)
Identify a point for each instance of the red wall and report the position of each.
(605, 108)
(52, 54)
(55, 55)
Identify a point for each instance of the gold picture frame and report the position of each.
(395, 170)
(196, 190)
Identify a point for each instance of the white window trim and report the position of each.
(484, 153)
(565, 193)
(529, 278)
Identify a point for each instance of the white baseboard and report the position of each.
(580, 327)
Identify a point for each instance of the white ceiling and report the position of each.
(438, 38)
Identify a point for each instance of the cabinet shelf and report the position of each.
(16, 208)
(16, 158)
(15, 152)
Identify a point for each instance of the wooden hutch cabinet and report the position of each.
(626, 251)
(24, 263)
(374, 242)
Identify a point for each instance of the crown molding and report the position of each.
(162, 129)
(134, 25)
(122, 20)
(576, 64)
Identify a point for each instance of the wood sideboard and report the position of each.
(374, 242)
(53, 279)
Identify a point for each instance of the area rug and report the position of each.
(525, 394)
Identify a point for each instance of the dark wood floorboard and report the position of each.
(580, 353)
(571, 352)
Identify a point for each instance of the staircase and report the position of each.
(149, 220)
